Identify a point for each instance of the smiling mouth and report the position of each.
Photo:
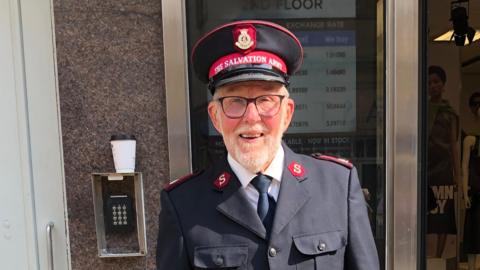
(251, 136)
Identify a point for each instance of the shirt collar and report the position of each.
(274, 170)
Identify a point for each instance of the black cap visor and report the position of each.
(248, 72)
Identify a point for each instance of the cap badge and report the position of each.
(296, 169)
(245, 38)
(222, 181)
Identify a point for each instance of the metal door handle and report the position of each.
(50, 245)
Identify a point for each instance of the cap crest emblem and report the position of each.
(245, 38)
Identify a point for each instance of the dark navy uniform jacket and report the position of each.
(320, 221)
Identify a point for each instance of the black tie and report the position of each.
(266, 204)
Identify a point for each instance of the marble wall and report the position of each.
(111, 80)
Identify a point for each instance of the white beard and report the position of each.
(253, 157)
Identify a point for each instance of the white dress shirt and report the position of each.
(274, 170)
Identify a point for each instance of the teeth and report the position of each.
(250, 136)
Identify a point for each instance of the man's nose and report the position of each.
(251, 113)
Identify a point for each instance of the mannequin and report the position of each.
(443, 165)
(471, 187)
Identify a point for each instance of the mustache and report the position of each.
(257, 128)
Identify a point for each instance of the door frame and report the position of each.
(402, 26)
(403, 81)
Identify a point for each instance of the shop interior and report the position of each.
(452, 231)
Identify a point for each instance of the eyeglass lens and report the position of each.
(267, 105)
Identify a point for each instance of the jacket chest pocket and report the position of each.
(321, 251)
(220, 257)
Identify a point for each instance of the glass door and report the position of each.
(32, 199)
(452, 168)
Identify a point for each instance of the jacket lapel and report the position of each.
(234, 205)
(293, 194)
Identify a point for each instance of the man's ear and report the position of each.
(213, 113)
(290, 108)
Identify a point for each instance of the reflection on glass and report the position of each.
(453, 128)
(338, 93)
(471, 185)
(443, 167)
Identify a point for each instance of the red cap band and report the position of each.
(255, 57)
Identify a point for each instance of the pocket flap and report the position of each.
(315, 244)
(220, 256)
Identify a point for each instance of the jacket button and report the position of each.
(218, 260)
(272, 252)
(321, 247)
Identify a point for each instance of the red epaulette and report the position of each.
(337, 160)
(180, 180)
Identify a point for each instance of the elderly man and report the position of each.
(264, 206)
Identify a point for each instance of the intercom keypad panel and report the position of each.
(119, 214)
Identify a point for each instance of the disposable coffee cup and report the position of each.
(123, 150)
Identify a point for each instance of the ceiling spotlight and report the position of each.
(459, 17)
(448, 36)
(462, 34)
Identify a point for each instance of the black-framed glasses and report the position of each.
(235, 107)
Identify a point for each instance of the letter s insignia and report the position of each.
(222, 181)
(297, 170)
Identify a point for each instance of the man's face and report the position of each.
(252, 140)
